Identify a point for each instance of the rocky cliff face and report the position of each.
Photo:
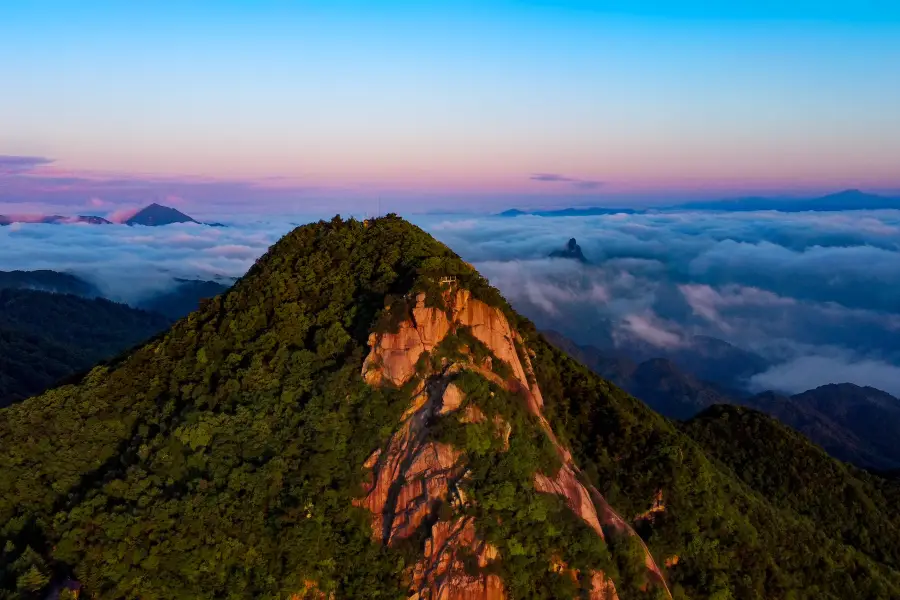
(416, 479)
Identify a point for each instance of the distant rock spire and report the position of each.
(572, 250)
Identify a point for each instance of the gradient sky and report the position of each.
(436, 104)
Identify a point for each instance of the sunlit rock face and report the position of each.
(414, 478)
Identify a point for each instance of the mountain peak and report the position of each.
(157, 214)
(363, 416)
(361, 398)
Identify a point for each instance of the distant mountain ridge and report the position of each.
(853, 423)
(153, 215)
(707, 358)
(48, 281)
(844, 200)
(659, 382)
(571, 212)
(852, 199)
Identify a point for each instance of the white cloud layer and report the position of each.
(816, 294)
(131, 263)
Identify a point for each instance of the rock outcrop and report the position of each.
(415, 479)
(394, 355)
(572, 251)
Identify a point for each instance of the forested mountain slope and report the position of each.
(849, 503)
(342, 422)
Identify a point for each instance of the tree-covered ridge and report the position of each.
(45, 337)
(731, 540)
(223, 458)
(531, 530)
(790, 472)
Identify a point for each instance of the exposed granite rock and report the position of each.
(413, 476)
(566, 485)
(394, 355)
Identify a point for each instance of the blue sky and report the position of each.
(445, 103)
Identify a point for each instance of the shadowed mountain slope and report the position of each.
(792, 473)
(45, 337)
(48, 281)
(665, 388)
(853, 423)
(184, 297)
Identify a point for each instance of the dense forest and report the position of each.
(731, 540)
(846, 502)
(45, 337)
(221, 459)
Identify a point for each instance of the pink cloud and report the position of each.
(36, 181)
(123, 214)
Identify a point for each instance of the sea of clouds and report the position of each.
(816, 294)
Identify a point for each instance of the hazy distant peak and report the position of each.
(157, 214)
(850, 199)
